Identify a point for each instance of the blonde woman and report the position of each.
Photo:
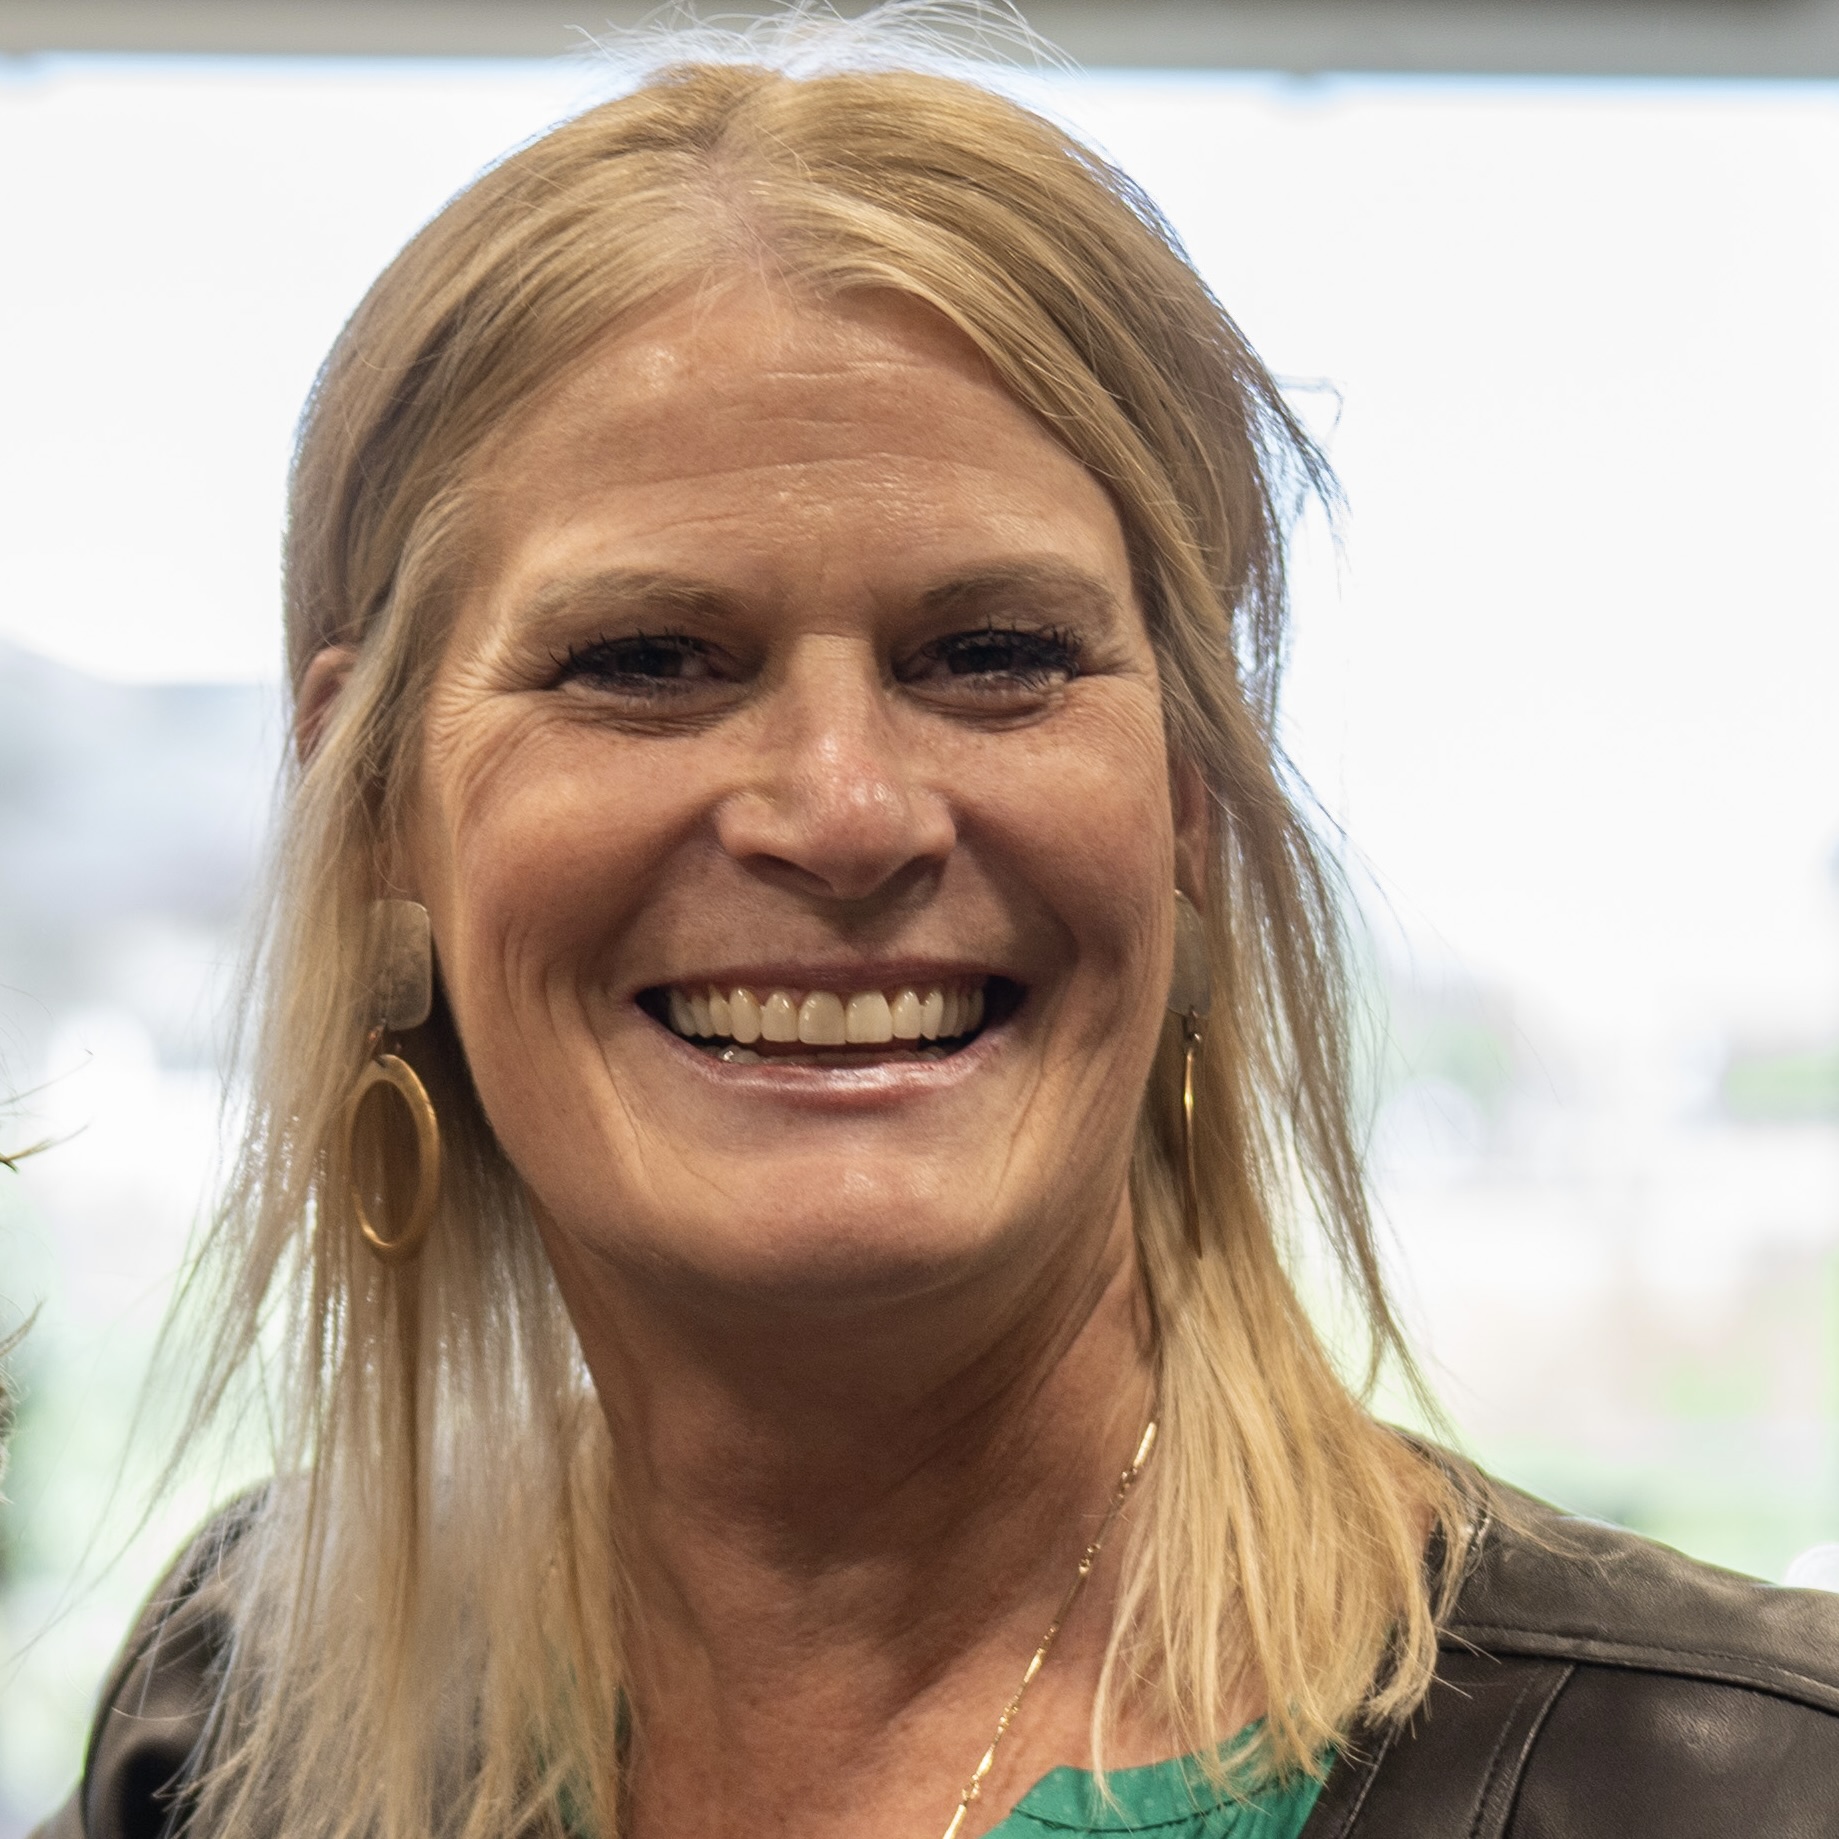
(799, 1012)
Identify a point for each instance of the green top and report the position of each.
(1169, 1799)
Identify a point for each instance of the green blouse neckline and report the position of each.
(1173, 1799)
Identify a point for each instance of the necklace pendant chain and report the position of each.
(973, 1788)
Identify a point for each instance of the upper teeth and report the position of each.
(826, 1018)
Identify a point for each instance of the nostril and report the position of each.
(838, 823)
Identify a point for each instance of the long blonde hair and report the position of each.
(431, 1642)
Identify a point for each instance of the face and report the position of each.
(794, 813)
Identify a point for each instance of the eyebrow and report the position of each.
(1051, 587)
(627, 590)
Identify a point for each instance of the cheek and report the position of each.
(1089, 824)
(545, 846)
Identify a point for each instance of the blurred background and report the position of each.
(1555, 286)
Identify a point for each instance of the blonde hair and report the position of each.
(426, 1645)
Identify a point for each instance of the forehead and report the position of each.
(782, 431)
(743, 349)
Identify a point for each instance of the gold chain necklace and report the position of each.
(974, 1787)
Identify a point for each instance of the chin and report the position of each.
(862, 1247)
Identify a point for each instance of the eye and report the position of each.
(641, 664)
(997, 658)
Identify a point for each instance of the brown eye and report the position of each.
(999, 658)
(644, 664)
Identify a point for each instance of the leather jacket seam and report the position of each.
(1650, 1657)
(1368, 1767)
(1513, 1748)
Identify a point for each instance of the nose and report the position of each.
(835, 801)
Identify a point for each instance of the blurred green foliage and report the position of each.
(1793, 1086)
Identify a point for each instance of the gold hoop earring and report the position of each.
(393, 1071)
(1190, 997)
(1190, 1185)
(402, 959)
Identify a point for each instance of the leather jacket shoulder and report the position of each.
(1591, 1685)
(155, 1706)
(1594, 1685)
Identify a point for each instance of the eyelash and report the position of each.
(595, 661)
(1031, 659)
(1040, 657)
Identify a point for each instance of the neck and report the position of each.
(850, 1531)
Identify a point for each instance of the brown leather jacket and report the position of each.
(1592, 1686)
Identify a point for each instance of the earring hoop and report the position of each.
(402, 988)
(1191, 1040)
(393, 1071)
(1190, 997)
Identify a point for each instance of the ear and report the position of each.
(319, 691)
(1195, 829)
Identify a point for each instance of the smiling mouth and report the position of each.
(751, 1026)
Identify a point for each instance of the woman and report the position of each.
(799, 1016)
